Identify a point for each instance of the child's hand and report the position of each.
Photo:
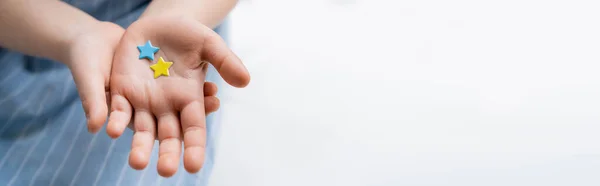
(170, 106)
(89, 58)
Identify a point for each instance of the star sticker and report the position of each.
(147, 51)
(161, 68)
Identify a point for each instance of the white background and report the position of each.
(413, 92)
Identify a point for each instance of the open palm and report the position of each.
(172, 106)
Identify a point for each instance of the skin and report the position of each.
(170, 105)
(58, 31)
(42, 28)
(208, 12)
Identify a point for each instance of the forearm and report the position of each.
(208, 12)
(41, 28)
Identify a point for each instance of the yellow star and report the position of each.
(161, 68)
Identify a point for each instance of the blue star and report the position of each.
(147, 51)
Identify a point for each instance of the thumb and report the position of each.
(91, 84)
(229, 66)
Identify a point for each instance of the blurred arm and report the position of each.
(41, 28)
(208, 12)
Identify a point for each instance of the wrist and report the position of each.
(208, 12)
(73, 40)
(172, 15)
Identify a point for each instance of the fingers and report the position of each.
(143, 139)
(211, 104)
(210, 89)
(91, 87)
(120, 116)
(194, 136)
(230, 67)
(170, 144)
